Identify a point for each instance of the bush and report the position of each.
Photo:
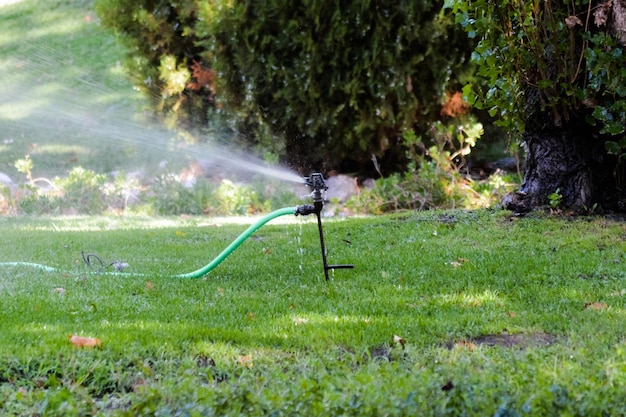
(339, 82)
(164, 58)
(85, 192)
(81, 190)
(321, 85)
(437, 177)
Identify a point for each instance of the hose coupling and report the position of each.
(305, 210)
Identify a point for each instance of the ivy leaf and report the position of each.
(613, 148)
(613, 128)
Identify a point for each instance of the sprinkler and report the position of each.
(316, 183)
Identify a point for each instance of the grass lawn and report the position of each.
(66, 100)
(472, 313)
(446, 313)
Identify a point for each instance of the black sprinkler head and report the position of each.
(317, 184)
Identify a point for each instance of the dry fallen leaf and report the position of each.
(601, 15)
(595, 306)
(466, 344)
(459, 262)
(398, 340)
(89, 342)
(573, 21)
(149, 285)
(246, 361)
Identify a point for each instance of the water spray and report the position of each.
(314, 181)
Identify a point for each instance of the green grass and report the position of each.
(66, 100)
(445, 313)
(265, 333)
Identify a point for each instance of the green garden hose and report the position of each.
(195, 274)
(249, 231)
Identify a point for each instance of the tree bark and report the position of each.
(569, 155)
(618, 20)
(571, 161)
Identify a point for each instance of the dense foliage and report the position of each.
(339, 80)
(164, 60)
(307, 81)
(551, 62)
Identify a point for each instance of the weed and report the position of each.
(437, 176)
(555, 199)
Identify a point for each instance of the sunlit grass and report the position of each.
(60, 76)
(424, 307)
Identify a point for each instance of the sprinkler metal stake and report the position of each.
(316, 183)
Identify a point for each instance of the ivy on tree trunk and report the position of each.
(555, 75)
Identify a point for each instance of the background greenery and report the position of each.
(64, 92)
(445, 313)
(320, 85)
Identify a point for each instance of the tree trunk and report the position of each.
(570, 161)
(566, 157)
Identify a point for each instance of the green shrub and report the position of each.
(85, 192)
(171, 197)
(164, 61)
(337, 82)
(437, 176)
(310, 81)
(81, 191)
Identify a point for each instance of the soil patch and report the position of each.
(520, 340)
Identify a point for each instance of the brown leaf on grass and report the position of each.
(459, 262)
(149, 285)
(246, 360)
(86, 342)
(399, 341)
(596, 306)
(300, 320)
(139, 385)
(466, 344)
